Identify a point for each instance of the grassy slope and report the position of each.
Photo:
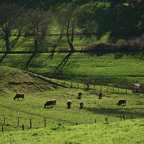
(99, 68)
(130, 131)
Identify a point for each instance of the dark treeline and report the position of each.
(122, 1)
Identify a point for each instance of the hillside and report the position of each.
(112, 68)
(16, 81)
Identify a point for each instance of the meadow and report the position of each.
(62, 74)
(111, 68)
(38, 91)
(130, 131)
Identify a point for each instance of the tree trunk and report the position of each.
(7, 43)
(36, 45)
(71, 47)
(70, 43)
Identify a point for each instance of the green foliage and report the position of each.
(121, 42)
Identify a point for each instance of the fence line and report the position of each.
(122, 117)
(87, 86)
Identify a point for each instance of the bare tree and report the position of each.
(90, 26)
(68, 21)
(37, 25)
(8, 16)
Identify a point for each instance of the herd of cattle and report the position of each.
(53, 101)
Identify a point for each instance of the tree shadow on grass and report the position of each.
(62, 64)
(3, 57)
(116, 111)
(30, 60)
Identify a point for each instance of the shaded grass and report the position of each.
(94, 68)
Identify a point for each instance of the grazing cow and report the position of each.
(122, 101)
(81, 104)
(69, 103)
(20, 95)
(100, 95)
(50, 102)
(79, 94)
(54, 101)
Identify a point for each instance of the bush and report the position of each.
(121, 45)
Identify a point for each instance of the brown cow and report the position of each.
(100, 95)
(50, 102)
(79, 94)
(69, 103)
(20, 95)
(81, 104)
(54, 101)
(122, 101)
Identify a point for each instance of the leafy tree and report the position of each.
(141, 24)
(8, 17)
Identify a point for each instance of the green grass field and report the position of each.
(38, 90)
(61, 75)
(94, 68)
(130, 131)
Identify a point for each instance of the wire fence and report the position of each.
(32, 123)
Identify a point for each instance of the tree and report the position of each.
(8, 17)
(90, 26)
(68, 20)
(131, 23)
(37, 24)
(141, 24)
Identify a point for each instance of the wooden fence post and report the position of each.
(106, 119)
(30, 123)
(71, 84)
(124, 117)
(2, 128)
(131, 116)
(18, 122)
(58, 80)
(22, 127)
(45, 122)
(4, 119)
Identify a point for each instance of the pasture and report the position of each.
(32, 107)
(130, 131)
(113, 68)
